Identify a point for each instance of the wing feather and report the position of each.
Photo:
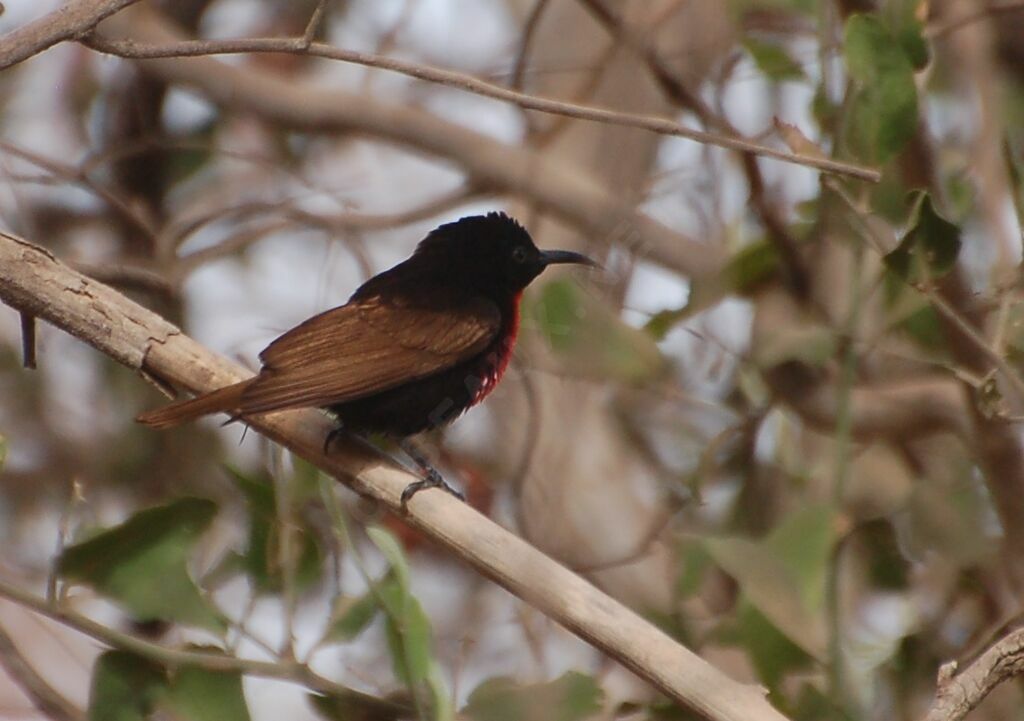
(367, 346)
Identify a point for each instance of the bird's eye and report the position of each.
(519, 254)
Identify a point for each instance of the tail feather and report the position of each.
(223, 399)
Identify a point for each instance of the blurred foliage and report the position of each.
(930, 246)
(262, 559)
(884, 112)
(142, 563)
(127, 687)
(571, 697)
(592, 340)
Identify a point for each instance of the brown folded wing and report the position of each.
(365, 347)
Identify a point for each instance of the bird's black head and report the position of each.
(492, 253)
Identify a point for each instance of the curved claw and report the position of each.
(433, 480)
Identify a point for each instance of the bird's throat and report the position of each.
(494, 361)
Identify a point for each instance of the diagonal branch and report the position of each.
(960, 691)
(69, 21)
(33, 280)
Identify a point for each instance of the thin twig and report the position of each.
(211, 661)
(556, 187)
(961, 690)
(314, 22)
(70, 173)
(940, 304)
(66, 22)
(677, 90)
(289, 214)
(449, 78)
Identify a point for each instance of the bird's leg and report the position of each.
(433, 477)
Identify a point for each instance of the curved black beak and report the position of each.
(551, 257)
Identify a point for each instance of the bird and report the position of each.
(414, 347)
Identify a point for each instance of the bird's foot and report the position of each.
(432, 478)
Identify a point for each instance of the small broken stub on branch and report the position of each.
(28, 340)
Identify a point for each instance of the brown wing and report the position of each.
(368, 346)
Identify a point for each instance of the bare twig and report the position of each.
(676, 90)
(553, 186)
(287, 214)
(961, 690)
(70, 173)
(193, 48)
(43, 696)
(33, 280)
(66, 22)
(980, 346)
(314, 22)
(209, 660)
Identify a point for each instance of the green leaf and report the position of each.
(442, 707)
(407, 627)
(305, 479)
(142, 563)
(773, 60)
(571, 697)
(262, 557)
(408, 632)
(663, 321)
(125, 687)
(389, 546)
(884, 114)
(930, 246)
(751, 266)
(197, 694)
(769, 584)
(773, 654)
(591, 336)
(694, 562)
(804, 541)
(559, 313)
(901, 16)
(352, 616)
(924, 327)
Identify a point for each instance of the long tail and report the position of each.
(228, 398)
